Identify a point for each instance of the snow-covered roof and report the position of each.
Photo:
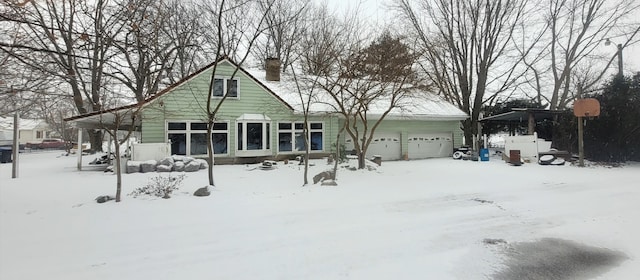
(24, 124)
(420, 106)
(423, 106)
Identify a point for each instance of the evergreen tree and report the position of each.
(615, 135)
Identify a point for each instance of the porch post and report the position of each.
(16, 146)
(532, 124)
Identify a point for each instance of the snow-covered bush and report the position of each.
(160, 186)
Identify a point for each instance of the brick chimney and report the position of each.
(272, 67)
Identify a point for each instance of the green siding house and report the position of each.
(261, 118)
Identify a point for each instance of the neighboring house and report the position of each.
(263, 119)
(30, 130)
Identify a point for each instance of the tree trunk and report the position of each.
(468, 129)
(95, 138)
(210, 149)
(337, 158)
(361, 160)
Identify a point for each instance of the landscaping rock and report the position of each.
(148, 166)
(204, 191)
(330, 182)
(104, 198)
(204, 164)
(133, 166)
(192, 166)
(326, 175)
(164, 168)
(167, 161)
(177, 158)
(178, 166)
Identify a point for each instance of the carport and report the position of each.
(119, 119)
(527, 146)
(520, 115)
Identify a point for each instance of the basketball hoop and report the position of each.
(586, 107)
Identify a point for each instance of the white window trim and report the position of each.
(293, 136)
(265, 137)
(227, 131)
(188, 133)
(224, 87)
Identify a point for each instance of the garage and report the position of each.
(388, 146)
(432, 145)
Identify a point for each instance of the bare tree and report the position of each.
(149, 45)
(369, 83)
(307, 88)
(576, 30)
(124, 120)
(317, 53)
(114, 122)
(321, 42)
(68, 40)
(465, 45)
(21, 89)
(184, 28)
(285, 23)
(363, 81)
(234, 28)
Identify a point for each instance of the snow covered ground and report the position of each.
(424, 219)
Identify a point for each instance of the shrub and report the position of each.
(160, 186)
(343, 152)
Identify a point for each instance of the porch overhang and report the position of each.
(120, 119)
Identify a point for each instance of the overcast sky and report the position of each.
(376, 10)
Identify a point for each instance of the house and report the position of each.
(30, 130)
(262, 118)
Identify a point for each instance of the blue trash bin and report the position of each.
(484, 154)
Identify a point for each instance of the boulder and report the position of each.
(325, 175)
(178, 166)
(104, 198)
(148, 166)
(204, 164)
(133, 166)
(166, 161)
(329, 182)
(204, 191)
(177, 158)
(192, 166)
(164, 168)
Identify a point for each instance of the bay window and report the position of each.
(253, 135)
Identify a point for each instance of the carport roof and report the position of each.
(118, 118)
(522, 115)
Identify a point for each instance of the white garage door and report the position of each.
(430, 145)
(387, 146)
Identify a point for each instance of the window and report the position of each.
(254, 136)
(291, 136)
(190, 138)
(219, 138)
(222, 86)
